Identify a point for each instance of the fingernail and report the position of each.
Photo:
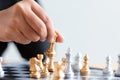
(43, 40)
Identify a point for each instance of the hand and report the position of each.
(26, 22)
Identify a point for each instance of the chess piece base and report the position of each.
(84, 72)
(117, 73)
(35, 75)
(69, 75)
(43, 74)
(107, 73)
(1, 73)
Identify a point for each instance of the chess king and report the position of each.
(51, 54)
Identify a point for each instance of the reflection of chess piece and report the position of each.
(40, 64)
(85, 69)
(58, 74)
(51, 53)
(63, 64)
(108, 70)
(85, 78)
(34, 68)
(45, 71)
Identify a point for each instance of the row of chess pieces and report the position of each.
(60, 70)
(65, 69)
(107, 71)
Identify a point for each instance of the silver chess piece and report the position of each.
(108, 69)
(68, 69)
(117, 72)
(77, 63)
(1, 69)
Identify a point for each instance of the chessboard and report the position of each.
(20, 71)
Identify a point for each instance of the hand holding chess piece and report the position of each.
(85, 69)
(34, 68)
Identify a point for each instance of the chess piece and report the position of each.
(77, 63)
(51, 53)
(34, 68)
(1, 69)
(108, 70)
(63, 64)
(85, 69)
(117, 72)
(40, 58)
(58, 74)
(45, 71)
(68, 69)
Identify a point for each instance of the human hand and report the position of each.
(26, 22)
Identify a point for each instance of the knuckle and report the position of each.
(19, 6)
(47, 19)
(36, 39)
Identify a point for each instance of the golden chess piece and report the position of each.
(34, 68)
(85, 69)
(51, 54)
(40, 58)
(58, 74)
(45, 71)
(63, 64)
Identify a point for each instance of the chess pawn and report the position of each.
(40, 58)
(34, 68)
(68, 68)
(117, 72)
(85, 69)
(1, 69)
(58, 74)
(51, 54)
(63, 64)
(77, 63)
(108, 70)
(45, 71)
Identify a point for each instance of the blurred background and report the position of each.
(89, 27)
